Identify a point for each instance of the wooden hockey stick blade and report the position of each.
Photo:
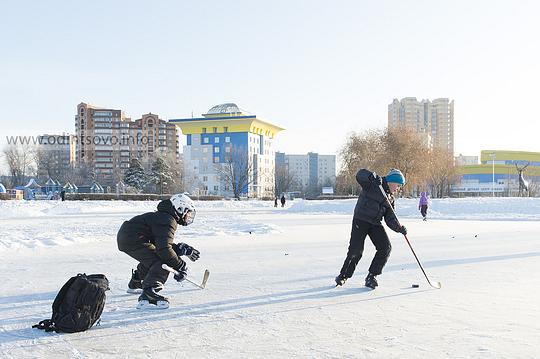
(205, 276)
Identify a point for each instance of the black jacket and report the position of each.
(371, 206)
(152, 229)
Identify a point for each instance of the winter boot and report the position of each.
(371, 281)
(340, 280)
(150, 299)
(135, 283)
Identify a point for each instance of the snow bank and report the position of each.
(454, 208)
(525, 209)
(25, 209)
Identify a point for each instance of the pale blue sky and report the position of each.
(318, 68)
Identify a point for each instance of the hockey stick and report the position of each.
(436, 285)
(203, 283)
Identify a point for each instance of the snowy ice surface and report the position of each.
(271, 294)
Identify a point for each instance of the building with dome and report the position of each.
(225, 145)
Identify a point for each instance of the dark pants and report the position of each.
(378, 236)
(149, 266)
(423, 210)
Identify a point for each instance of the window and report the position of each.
(216, 140)
(205, 150)
(206, 140)
(204, 130)
(216, 149)
(228, 149)
(227, 139)
(216, 188)
(205, 178)
(225, 129)
(214, 129)
(216, 159)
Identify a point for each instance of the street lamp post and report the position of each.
(492, 155)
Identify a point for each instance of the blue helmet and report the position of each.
(395, 176)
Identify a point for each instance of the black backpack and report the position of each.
(78, 305)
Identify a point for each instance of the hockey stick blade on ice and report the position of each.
(436, 285)
(203, 283)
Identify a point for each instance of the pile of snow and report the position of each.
(23, 209)
(486, 208)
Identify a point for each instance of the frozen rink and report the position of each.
(271, 291)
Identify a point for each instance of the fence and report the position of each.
(129, 197)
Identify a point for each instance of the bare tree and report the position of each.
(52, 164)
(237, 171)
(441, 171)
(284, 179)
(81, 174)
(175, 164)
(406, 150)
(364, 150)
(20, 159)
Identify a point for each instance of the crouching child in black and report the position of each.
(371, 208)
(149, 238)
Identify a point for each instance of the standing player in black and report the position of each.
(371, 208)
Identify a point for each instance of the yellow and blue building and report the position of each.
(227, 131)
(497, 173)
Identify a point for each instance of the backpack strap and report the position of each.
(46, 325)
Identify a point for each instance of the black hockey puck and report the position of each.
(415, 286)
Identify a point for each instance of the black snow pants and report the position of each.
(423, 210)
(149, 266)
(377, 234)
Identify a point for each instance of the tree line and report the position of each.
(25, 161)
(425, 168)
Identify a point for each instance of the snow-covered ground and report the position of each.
(270, 293)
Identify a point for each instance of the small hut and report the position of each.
(96, 188)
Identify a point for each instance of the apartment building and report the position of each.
(434, 119)
(310, 171)
(227, 135)
(107, 140)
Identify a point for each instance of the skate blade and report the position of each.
(134, 291)
(160, 304)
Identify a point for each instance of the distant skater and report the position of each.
(423, 205)
(282, 200)
(275, 202)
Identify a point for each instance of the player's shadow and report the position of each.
(431, 264)
(14, 303)
(123, 318)
(118, 317)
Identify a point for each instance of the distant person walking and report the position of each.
(275, 202)
(423, 205)
(282, 200)
(63, 195)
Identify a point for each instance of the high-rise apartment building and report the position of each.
(107, 140)
(433, 118)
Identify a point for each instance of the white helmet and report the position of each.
(185, 208)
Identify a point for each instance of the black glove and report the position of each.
(403, 230)
(375, 179)
(183, 249)
(182, 272)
